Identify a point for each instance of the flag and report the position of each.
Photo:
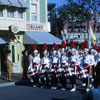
(93, 37)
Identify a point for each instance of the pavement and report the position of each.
(30, 93)
(5, 83)
(25, 91)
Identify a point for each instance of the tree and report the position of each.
(94, 7)
(74, 12)
(78, 11)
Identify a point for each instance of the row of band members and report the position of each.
(67, 58)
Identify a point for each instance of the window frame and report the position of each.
(34, 14)
(13, 9)
(22, 12)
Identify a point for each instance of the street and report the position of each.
(22, 92)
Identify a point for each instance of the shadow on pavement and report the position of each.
(58, 99)
(69, 98)
(23, 83)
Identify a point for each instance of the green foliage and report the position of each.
(74, 12)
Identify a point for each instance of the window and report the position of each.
(1, 12)
(34, 12)
(20, 14)
(10, 13)
(34, 8)
(34, 18)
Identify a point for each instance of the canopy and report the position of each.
(31, 37)
(14, 3)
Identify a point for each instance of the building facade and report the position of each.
(12, 26)
(20, 19)
(81, 31)
(37, 16)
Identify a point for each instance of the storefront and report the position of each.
(13, 42)
(13, 21)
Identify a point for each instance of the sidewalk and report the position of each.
(4, 82)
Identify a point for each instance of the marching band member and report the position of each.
(86, 65)
(63, 64)
(73, 65)
(46, 65)
(36, 66)
(55, 64)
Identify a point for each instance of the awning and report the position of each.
(2, 41)
(23, 4)
(31, 37)
(14, 3)
(4, 2)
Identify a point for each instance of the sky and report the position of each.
(57, 2)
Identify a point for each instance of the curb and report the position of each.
(7, 84)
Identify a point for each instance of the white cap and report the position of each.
(63, 50)
(92, 50)
(35, 51)
(54, 51)
(86, 50)
(69, 50)
(45, 52)
(73, 50)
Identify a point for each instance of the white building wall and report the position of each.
(6, 22)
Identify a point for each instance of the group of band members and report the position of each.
(67, 63)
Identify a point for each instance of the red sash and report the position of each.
(73, 63)
(43, 65)
(32, 72)
(85, 65)
(54, 64)
(63, 64)
(35, 64)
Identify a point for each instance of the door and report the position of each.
(15, 56)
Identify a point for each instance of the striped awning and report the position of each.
(31, 37)
(4, 2)
(14, 3)
(23, 4)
